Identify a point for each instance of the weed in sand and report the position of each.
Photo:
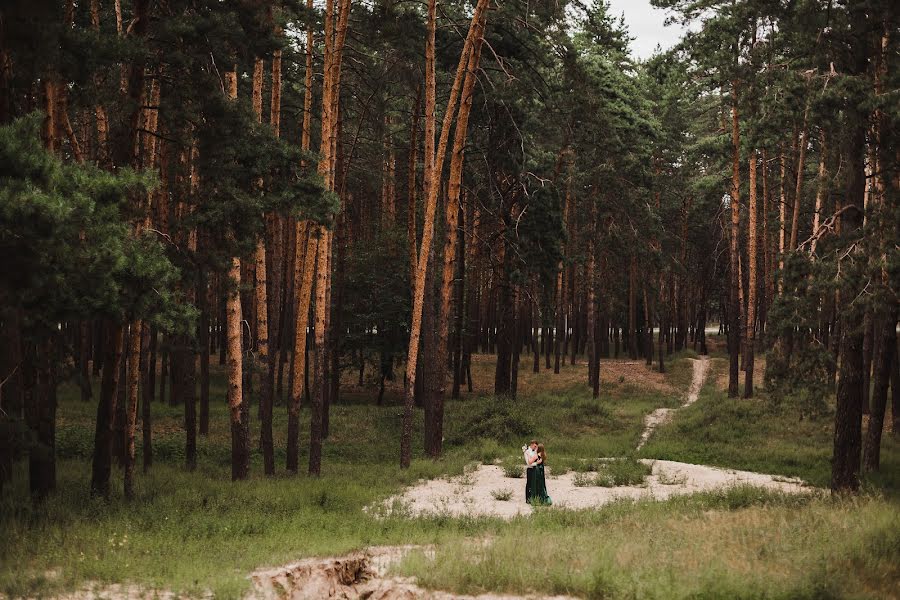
(502, 495)
(513, 471)
(671, 478)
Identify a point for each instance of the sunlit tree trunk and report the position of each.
(240, 442)
(306, 249)
(335, 34)
(434, 429)
(432, 187)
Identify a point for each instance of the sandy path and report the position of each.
(472, 494)
(663, 415)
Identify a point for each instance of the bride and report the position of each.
(535, 481)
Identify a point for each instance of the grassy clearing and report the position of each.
(195, 532)
(198, 531)
(740, 543)
(756, 435)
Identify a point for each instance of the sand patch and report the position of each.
(355, 576)
(473, 494)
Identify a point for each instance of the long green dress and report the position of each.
(539, 486)
(529, 483)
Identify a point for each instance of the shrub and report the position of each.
(667, 478)
(622, 471)
(513, 471)
(584, 480)
(502, 495)
(500, 420)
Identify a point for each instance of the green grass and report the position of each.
(198, 532)
(739, 543)
(611, 473)
(756, 435)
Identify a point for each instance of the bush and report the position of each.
(513, 471)
(584, 480)
(500, 420)
(622, 471)
(502, 495)
(613, 473)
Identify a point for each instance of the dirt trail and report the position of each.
(663, 415)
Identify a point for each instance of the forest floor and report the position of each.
(192, 534)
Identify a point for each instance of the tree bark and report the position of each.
(106, 412)
(430, 209)
(848, 410)
(240, 442)
(884, 361)
(451, 218)
(752, 284)
(734, 309)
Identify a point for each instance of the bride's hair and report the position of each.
(542, 453)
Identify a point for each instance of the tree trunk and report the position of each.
(798, 194)
(848, 410)
(734, 309)
(884, 361)
(240, 441)
(751, 282)
(134, 378)
(106, 412)
(307, 250)
(451, 219)
(433, 166)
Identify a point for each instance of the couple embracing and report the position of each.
(535, 481)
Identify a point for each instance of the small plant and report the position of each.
(586, 466)
(613, 473)
(512, 471)
(667, 478)
(502, 495)
(584, 479)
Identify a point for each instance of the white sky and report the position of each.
(645, 25)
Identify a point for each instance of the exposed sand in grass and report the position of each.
(472, 494)
(355, 576)
(663, 415)
(476, 492)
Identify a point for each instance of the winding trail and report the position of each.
(663, 415)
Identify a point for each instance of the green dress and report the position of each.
(539, 486)
(529, 484)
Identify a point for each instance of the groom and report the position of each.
(530, 454)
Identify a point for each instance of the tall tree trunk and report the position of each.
(632, 309)
(451, 219)
(592, 345)
(798, 194)
(734, 309)
(240, 442)
(134, 378)
(307, 250)
(106, 412)
(433, 166)
(752, 283)
(848, 410)
(335, 34)
(884, 360)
